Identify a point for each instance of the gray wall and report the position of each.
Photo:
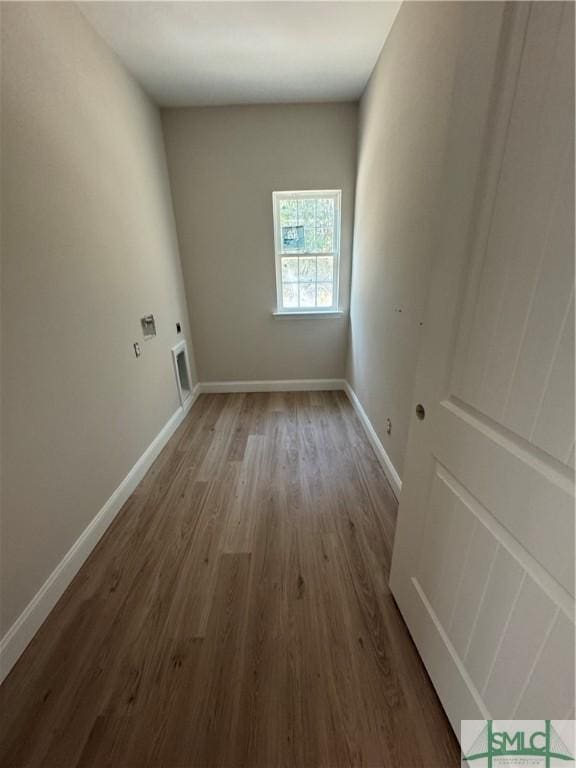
(88, 247)
(224, 163)
(402, 133)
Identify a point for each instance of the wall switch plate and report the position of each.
(137, 350)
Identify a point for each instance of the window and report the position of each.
(307, 244)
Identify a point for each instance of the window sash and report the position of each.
(278, 198)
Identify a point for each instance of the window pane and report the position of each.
(325, 269)
(289, 269)
(288, 213)
(325, 212)
(292, 239)
(307, 294)
(290, 295)
(307, 268)
(324, 292)
(307, 212)
(324, 240)
(309, 234)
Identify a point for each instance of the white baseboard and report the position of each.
(383, 458)
(275, 385)
(33, 616)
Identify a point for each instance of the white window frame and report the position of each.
(277, 197)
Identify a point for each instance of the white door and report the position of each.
(483, 565)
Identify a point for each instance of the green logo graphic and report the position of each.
(545, 744)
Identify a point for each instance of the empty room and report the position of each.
(287, 384)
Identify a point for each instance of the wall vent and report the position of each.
(182, 371)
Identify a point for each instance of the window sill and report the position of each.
(336, 314)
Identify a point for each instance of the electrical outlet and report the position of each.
(137, 350)
(388, 427)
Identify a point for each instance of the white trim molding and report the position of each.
(379, 450)
(337, 314)
(275, 385)
(307, 194)
(33, 616)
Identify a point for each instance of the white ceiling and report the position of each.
(195, 53)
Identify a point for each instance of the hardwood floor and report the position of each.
(237, 611)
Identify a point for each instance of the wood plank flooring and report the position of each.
(237, 611)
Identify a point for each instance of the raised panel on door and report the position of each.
(523, 287)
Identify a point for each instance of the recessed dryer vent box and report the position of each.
(182, 371)
(148, 326)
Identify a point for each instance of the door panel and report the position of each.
(526, 627)
(554, 419)
(530, 215)
(519, 488)
(471, 594)
(483, 565)
(503, 584)
(550, 686)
